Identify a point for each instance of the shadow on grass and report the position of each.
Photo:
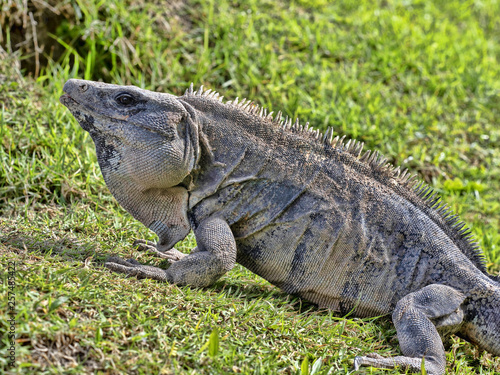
(71, 249)
(68, 248)
(240, 287)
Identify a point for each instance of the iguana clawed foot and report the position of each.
(405, 363)
(172, 255)
(132, 267)
(373, 360)
(366, 360)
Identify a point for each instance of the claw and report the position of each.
(374, 355)
(365, 360)
(121, 266)
(405, 363)
(172, 255)
(117, 260)
(133, 262)
(143, 242)
(143, 245)
(357, 362)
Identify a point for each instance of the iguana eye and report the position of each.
(125, 99)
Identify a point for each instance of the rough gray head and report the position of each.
(139, 134)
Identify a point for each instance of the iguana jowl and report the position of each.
(314, 216)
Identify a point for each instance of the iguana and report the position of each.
(313, 215)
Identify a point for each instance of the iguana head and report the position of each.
(142, 136)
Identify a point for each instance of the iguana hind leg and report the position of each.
(415, 317)
(214, 256)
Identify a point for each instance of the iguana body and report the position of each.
(313, 216)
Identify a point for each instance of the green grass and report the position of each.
(417, 80)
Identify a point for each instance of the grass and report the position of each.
(416, 80)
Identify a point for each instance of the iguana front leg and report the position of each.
(215, 255)
(416, 316)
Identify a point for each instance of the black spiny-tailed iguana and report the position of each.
(314, 216)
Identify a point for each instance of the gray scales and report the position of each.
(316, 217)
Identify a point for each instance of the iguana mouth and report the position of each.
(65, 99)
(70, 103)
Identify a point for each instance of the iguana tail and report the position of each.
(483, 317)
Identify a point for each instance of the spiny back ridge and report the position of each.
(406, 184)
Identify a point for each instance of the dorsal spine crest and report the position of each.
(376, 162)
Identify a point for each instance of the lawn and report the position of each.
(418, 81)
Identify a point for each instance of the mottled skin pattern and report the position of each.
(314, 217)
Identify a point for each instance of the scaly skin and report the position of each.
(314, 217)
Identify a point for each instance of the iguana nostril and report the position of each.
(83, 87)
